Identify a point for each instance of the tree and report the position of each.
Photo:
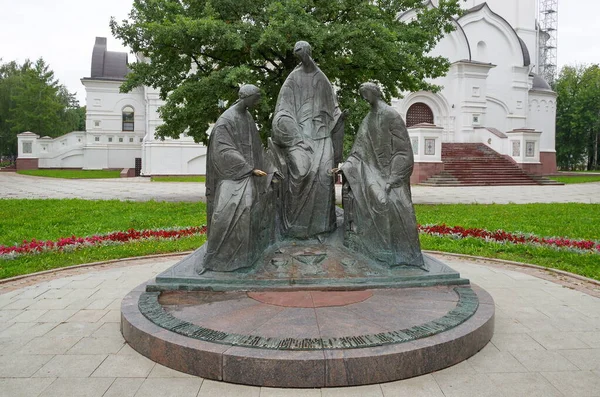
(32, 99)
(578, 117)
(9, 79)
(198, 52)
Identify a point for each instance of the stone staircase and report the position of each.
(475, 164)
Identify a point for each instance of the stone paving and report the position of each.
(60, 337)
(141, 189)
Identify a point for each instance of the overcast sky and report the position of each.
(63, 33)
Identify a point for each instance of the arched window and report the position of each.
(482, 55)
(128, 118)
(418, 113)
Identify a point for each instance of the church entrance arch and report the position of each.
(419, 113)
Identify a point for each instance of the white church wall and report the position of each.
(502, 49)
(107, 144)
(174, 157)
(105, 105)
(542, 116)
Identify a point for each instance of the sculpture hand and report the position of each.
(258, 172)
(335, 171)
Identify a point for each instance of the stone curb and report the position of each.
(518, 264)
(91, 264)
(135, 258)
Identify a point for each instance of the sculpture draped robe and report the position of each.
(307, 114)
(381, 224)
(240, 205)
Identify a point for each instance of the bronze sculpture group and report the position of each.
(255, 197)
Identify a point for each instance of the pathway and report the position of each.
(141, 189)
(60, 337)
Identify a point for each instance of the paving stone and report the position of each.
(21, 366)
(125, 366)
(87, 316)
(88, 283)
(115, 304)
(357, 391)
(19, 304)
(108, 330)
(49, 345)
(585, 359)
(170, 387)
(509, 326)
(80, 387)
(74, 329)
(33, 292)
(544, 361)
(575, 384)
(513, 342)
(124, 387)
(56, 316)
(463, 367)
(10, 346)
(274, 392)
(560, 340)
(52, 304)
(92, 345)
(23, 387)
(28, 316)
(98, 304)
(210, 388)
(80, 293)
(460, 385)
(160, 371)
(29, 329)
(70, 366)
(127, 350)
(112, 316)
(54, 293)
(524, 385)
(6, 315)
(490, 359)
(422, 386)
(591, 339)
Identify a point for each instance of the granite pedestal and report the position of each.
(309, 338)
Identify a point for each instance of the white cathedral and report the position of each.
(491, 95)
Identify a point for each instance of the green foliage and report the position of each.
(73, 174)
(31, 99)
(202, 51)
(568, 179)
(182, 178)
(51, 219)
(577, 221)
(52, 260)
(574, 262)
(578, 118)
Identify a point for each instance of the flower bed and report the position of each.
(500, 236)
(73, 242)
(456, 232)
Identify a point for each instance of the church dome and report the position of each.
(540, 84)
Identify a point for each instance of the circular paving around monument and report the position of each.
(309, 338)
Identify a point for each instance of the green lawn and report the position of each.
(566, 179)
(73, 174)
(51, 219)
(183, 178)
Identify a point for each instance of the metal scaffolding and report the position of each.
(548, 26)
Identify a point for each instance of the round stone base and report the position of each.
(309, 338)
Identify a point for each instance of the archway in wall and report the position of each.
(419, 113)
